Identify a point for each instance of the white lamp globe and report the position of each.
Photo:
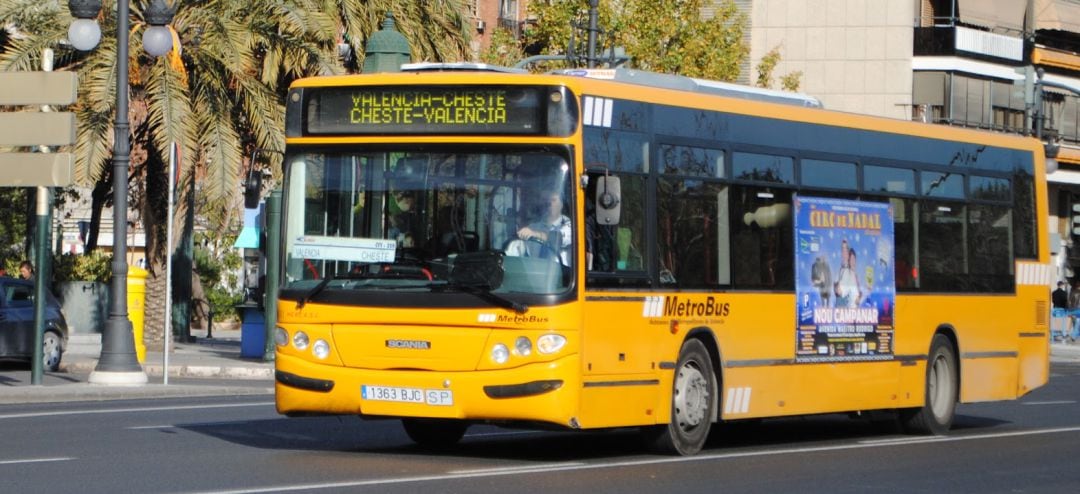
(84, 34)
(157, 40)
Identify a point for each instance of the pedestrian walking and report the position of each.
(1060, 298)
(1074, 312)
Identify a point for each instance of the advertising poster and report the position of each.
(845, 281)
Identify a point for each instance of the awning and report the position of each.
(249, 235)
(993, 13)
(1060, 15)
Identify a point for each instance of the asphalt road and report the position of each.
(240, 444)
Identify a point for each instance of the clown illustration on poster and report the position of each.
(845, 282)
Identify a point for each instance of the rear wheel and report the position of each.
(692, 398)
(53, 348)
(942, 392)
(435, 433)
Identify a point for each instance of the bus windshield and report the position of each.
(496, 221)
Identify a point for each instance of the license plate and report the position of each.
(434, 397)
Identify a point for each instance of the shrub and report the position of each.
(94, 266)
(216, 263)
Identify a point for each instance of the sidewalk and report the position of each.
(215, 359)
(1065, 352)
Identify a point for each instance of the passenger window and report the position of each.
(991, 250)
(762, 238)
(903, 211)
(693, 232)
(942, 254)
(936, 184)
(763, 168)
(888, 180)
(691, 161)
(828, 174)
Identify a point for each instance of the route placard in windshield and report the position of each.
(347, 249)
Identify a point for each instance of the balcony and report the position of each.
(967, 42)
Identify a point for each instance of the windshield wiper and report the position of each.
(315, 290)
(398, 272)
(484, 293)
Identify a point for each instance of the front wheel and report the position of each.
(435, 433)
(942, 392)
(692, 401)
(53, 351)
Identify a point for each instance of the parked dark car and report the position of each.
(17, 324)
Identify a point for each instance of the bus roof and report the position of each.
(682, 83)
(641, 78)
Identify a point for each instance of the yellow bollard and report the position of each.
(136, 301)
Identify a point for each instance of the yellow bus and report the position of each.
(594, 249)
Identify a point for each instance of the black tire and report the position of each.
(435, 433)
(693, 398)
(53, 350)
(942, 391)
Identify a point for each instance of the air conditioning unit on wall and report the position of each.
(480, 25)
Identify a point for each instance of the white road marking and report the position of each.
(543, 467)
(493, 434)
(563, 467)
(33, 460)
(129, 410)
(185, 424)
(1058, 402)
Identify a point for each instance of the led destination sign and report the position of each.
(428, 110)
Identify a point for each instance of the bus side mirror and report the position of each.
(252, 189)
(608, 200)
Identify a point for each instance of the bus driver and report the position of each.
(551, 230)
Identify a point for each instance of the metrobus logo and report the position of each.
(658, 306)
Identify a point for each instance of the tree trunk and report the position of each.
(154, 215)
(184, 275)
(98, 197)
(154, 322)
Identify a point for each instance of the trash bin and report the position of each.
(252, 330)
(136, 301)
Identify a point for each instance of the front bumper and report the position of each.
(539, 392)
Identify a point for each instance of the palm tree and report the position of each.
(219, 95)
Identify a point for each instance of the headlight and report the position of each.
(550, 343)
(500, 354)
(300, 340)
(321, 349)
(281, 337)
(523, 346)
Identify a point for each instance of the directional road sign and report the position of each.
(37, 88)
(25, 128)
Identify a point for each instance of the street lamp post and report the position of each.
(118, 363)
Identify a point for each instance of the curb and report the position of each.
(95, 392)
(195, 371)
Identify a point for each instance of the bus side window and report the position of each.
(692, 233)
(601, 247)
(616, 249)
(762, 238)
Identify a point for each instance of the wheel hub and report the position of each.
(691, 396)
